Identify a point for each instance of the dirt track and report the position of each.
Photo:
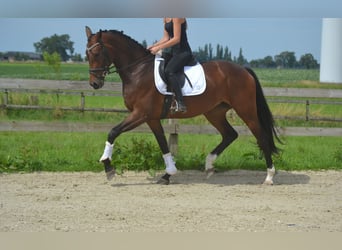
(229, 201)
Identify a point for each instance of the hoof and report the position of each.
(210, 172)
(109, 169)
(268, 182)
(164, 180)
(270, 174)
(110, 174)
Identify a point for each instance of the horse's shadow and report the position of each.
(237, 177)
(118, 185)
(226, 178)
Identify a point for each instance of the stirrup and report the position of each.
(177, 106)
(180, 107)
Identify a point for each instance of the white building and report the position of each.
(331, 51)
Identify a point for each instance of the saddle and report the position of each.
(193, 70)
(167, 56)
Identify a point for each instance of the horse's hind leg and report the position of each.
(261, 136)
(217, 117)
(263, 144)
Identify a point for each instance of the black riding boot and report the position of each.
(175, 81)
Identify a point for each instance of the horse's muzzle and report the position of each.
(96, 84)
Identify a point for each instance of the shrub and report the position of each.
(53, 60)
(139, 155)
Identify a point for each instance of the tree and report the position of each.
(201, 55)
(77, 57)
(59, 44)
(285, 59)
(144, 43)
(227, 54)
(268, 62)
(308, 61)
(241, 59)
(210, 50)
(204, 54)
(219, 52)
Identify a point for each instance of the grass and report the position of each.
(40, 70)
(37, 151)
(288, 77)
(298, 153)
(295, 78)
(46, 151)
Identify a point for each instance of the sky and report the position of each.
(258, 37)
(261, 28)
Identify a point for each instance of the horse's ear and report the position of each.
(88, 31)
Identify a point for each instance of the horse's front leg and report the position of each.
(106, 157)
(131, 122)
(159, 134)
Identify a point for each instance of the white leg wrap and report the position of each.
(170, 164)
(209, 161)
(108, 152)
(269, 177)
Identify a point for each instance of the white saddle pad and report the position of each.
(194, 73)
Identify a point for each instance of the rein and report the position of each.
(108, 68)
(141, 60)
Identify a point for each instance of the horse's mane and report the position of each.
(130, 39)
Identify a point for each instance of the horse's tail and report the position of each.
(265, 115)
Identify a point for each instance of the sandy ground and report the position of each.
(228, 201)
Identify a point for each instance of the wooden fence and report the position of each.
(7, 105)
(170, 128)
(59, 88)
(82, 107)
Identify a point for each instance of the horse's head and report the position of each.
(98, 58)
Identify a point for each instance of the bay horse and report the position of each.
(229, 86)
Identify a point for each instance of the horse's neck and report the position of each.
(125, 56)
(128, 60)
(131, 69)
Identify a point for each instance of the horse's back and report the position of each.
(225, 72)
(222, 64)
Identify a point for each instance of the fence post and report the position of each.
(173, 137)
(307, 110)
(5, 99)
(82, 102)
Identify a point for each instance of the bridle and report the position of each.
(108, 68)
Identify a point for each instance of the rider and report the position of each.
(175, 38)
